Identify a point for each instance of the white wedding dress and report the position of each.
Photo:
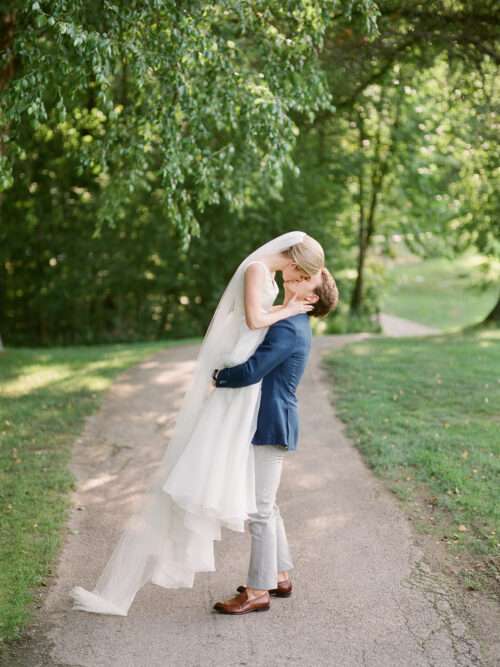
(206, 478)
(225, 427)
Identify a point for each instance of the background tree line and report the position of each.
(145, 148)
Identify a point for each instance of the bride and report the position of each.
(205, 480)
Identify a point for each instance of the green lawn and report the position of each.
(439, 292)
(45, 394)
(425, 414)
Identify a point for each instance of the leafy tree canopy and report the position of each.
(198, 93)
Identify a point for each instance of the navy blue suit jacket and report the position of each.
(279, 362)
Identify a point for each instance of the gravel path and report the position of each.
(364, 594)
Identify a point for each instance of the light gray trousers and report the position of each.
(269, 552)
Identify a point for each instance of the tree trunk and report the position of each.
(357, 294)
(379, 170)
(493, 316)
(3, 299)
(7, 31)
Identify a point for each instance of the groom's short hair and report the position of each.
(328, 295)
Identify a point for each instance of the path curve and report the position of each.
(396, 327)
(364, 595)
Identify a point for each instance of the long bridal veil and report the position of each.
(205, 479)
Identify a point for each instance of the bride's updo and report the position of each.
(308, 255)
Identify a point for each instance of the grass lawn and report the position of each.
(425, 415)
(439, 292)
(45, 394)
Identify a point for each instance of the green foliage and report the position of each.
(409, 150)
(188, 105)
(134, 130)
(125, 128)
(411, 139)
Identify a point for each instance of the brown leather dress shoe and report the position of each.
(240, 604)
(284, 589)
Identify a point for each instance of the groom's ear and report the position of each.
(312, 298)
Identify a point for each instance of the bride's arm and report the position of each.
(256, 317)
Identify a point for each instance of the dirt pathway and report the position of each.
(364, 594)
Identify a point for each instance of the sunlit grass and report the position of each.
(442, 293)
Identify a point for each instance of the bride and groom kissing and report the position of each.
(279, 362)
(238, 419)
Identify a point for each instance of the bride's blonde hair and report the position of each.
(308, 255)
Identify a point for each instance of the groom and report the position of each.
(279, 362)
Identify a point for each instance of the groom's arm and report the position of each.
(274, 349)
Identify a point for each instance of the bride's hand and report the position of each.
(295, 307)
